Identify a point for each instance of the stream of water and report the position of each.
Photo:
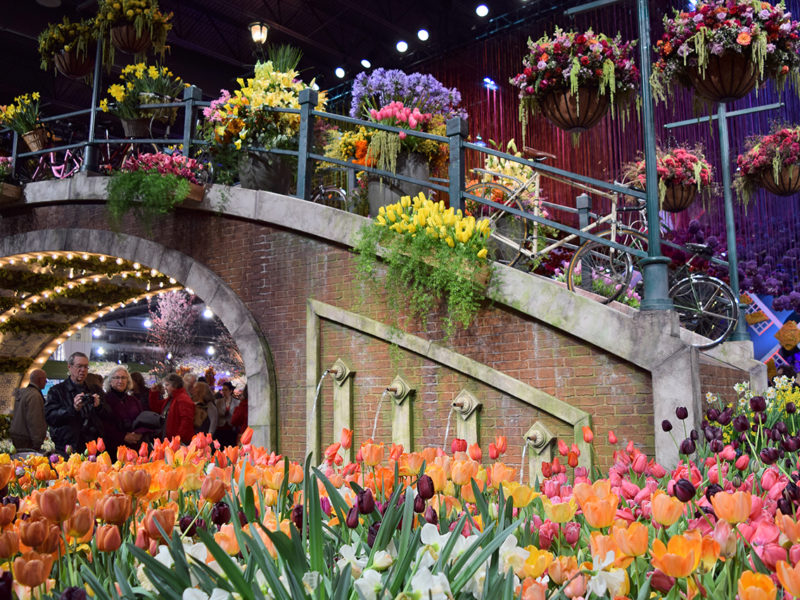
(447, 429)
(377, 413)
(316, 395)
(522, 466)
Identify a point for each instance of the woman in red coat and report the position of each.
(180, 414)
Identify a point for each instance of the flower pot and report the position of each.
(72, 65)
(136, 128)
(38, 139)
(678, 197)
(196, 192)
(788, 181)
(166, 114)
(575, 114)
(9, 193)
(125, 39)
(385, 191)
(728, 77)
(265, 171)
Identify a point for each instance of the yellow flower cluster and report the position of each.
(141, 83)
(22, 115)
(66, 36)
(114, 11)
(421, 214)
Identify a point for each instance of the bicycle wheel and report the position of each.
(610, 271)
(707, 306)
(509, 232)
(332, 196)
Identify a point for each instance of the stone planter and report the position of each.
(71, 65)
(38, 139)
(788, 182)
(728, 77)
(10, 193)
(265, 171)
(678, 197)
(125, 39)
(385, 191)
(575, 113)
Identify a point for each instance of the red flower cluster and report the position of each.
(783, 146)
(679, 165)
(166, 164)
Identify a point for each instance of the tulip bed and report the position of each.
(199, 521)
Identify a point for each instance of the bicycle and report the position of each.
(55, 164)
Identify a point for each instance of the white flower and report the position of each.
(511, 556)
(195, 594)
(476, 583)
(144, 581)
(425, 584)
(311, 581)
(369, 585)
(348, 556)
(382, 560)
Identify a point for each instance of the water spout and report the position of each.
(316, 395)
(447, 429)
(522, 466)
(378, 412)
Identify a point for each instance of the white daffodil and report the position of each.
(511, 556)
(425, 584)
(311, 582)
(382, 560)
(368, 585)
(475, 584)
(601, 581)
(195, 594)
(348, 556)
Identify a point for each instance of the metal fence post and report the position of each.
(308, 100)
(190, 95)
(90, 152)
(457, 131)
(584, 205)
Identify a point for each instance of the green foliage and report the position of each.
(13, 364)
(148, 195)
(21, 326)
(284, 57)
(27, 281)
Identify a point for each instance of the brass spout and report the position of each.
(458, 404)
(536, 439)
(393, 389)
(334, 370)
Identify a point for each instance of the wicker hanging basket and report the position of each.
(38, 139)
(788, 181)
(125, 39)
(728, 77)
(678, 197)
(575, 113)
(136, 128)
(70, 64)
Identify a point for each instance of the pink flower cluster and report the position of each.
(678, 166)
(166, 164)
(5, 167)
(395, 113)
(783, 145)
(211, 113)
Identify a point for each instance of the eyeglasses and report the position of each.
(86, 366)
(119, 378)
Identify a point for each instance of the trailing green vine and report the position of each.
(14, 364)
(20, 326)
(432, 255)
(149, 195)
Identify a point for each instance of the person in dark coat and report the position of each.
(74, 411)
(28, 427)
(123, 408)
(140, 390)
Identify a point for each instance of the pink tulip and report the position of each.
(402, 135)
(412, 122)
(639, 464)
(742, 462)
(725, 537)
(572, 532)
(794, 554)
(728, 453)
(629, 489)
(656, 470)
(766, 533)
(769, 478)
(770, 555)
(776, 491)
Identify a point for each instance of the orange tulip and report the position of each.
(226, 538)
(561, 512)
(89, 497)
(58, 503)
(601, 545)
(756, 586)
(33, 531)
(51, 541)
(500, 473)
(789, 576)
(666, 509)
(87, 473)
(7, 514)
(171, 480)
(347, 438)
(164, 517)
(9, 544)
(475, 452)
(562, 568)
(247, 436)
(462, 472)
(372, 454)
(32, 569)
(680, 556)
(599, 512)
(108, 538)
(788, 526)
(134, 482)
(213, 490)
(296, 473)
(80, 523)
(6, 472)
(588, 434)
(114, 508)
(632, 541)
(733, 508)
(501, 443)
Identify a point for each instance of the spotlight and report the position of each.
(489, 83)
(97, 332)
(402, 46)
(147, 323)
(365, 63)
(481, 10)
(423, 35)
(210, 351)
(100, 351)
(208, 313)
(339, 72)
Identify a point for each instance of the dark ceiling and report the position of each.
(210, 44)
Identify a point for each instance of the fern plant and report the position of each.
(148, 195)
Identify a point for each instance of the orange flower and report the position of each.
(756, 586)
(372, 454)
(108, 538)
(436, 473)
(601, 545)
(733, 508)
(80, 523)
(134, 482)
(788, 526)
(115, 508)
(743, 39)
(89, 497)
(666, 509)
(709, 553)
(213, 490)
(680, 556)
(562, 568)
(247, 436)
(33, 532)
(9, 544)
(500, 473)
(6, 472)
(226, 538)
(7, 514)
(599, 505)
(347, 438)
(32, 569)
(560, 512)
(52, 539)
(588, 434)
(296, 472)
(87, 473)
(632, 541)
(501, 443)
(462, 472)
(788, 576)
(165, 517)
(271, 477)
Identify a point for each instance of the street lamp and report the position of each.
(258, 31)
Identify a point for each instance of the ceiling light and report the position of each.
(423, 35)
(481, 10)
(365, 63)
(402, 46)
(339, 72)
(258, 31)
(96, 332)
(208, 313)
(147, 323)
(210, 351)
(101, 351)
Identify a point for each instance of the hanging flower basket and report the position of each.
(787, 183)
(726, 78)
(73, 65)
(136, 128)
(125, 39)
(678, 197)
(10, 193)
(38, 139)
(575, 113)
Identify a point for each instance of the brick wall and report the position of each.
(720, 380)
(275, 271)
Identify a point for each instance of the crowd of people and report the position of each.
(122, 409)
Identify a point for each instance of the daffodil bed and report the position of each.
(431, 254)
(200, 521)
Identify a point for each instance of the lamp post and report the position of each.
(258, 32)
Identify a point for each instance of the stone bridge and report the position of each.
(278, 271)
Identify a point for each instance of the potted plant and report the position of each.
(723, 48)
(22, 116)
(431, 252)
(682, 173)
(243, 123)
(572, 78)
(70, 47)
(133, 26)
(9, 192)
(772, 162)
(143, 84)
(151, 185)
(415, 102)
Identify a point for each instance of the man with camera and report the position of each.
(73, 410)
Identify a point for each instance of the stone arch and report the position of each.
(231, 311)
